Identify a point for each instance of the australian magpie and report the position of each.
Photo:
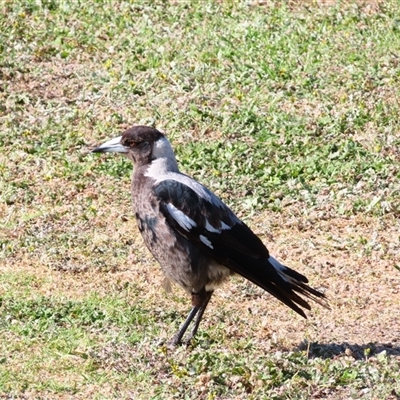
(197, 239)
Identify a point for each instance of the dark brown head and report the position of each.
(137, 143)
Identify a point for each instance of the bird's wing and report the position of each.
(201, 217)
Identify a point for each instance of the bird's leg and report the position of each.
(177, 338)
(199, 317)
(199, 302)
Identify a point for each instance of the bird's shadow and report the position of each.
(356, 351)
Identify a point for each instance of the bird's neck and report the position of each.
(162, 166)
(164, 160)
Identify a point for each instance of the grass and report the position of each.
(289, 111)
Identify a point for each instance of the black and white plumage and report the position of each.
(198, 241)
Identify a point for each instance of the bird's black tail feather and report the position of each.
(298, 283)
(283, 283)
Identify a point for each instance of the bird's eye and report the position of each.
(130, 143)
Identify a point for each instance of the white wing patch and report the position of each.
(206, 241)
(225, 226)
(182, 219)
(210, 228)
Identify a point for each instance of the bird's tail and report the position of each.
(293, 283)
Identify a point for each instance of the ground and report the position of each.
(289, 112)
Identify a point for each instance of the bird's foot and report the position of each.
(177, 341)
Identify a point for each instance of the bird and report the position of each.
(196, 238)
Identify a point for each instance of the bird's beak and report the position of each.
(112, 145)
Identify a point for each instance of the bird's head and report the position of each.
(141, 144)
